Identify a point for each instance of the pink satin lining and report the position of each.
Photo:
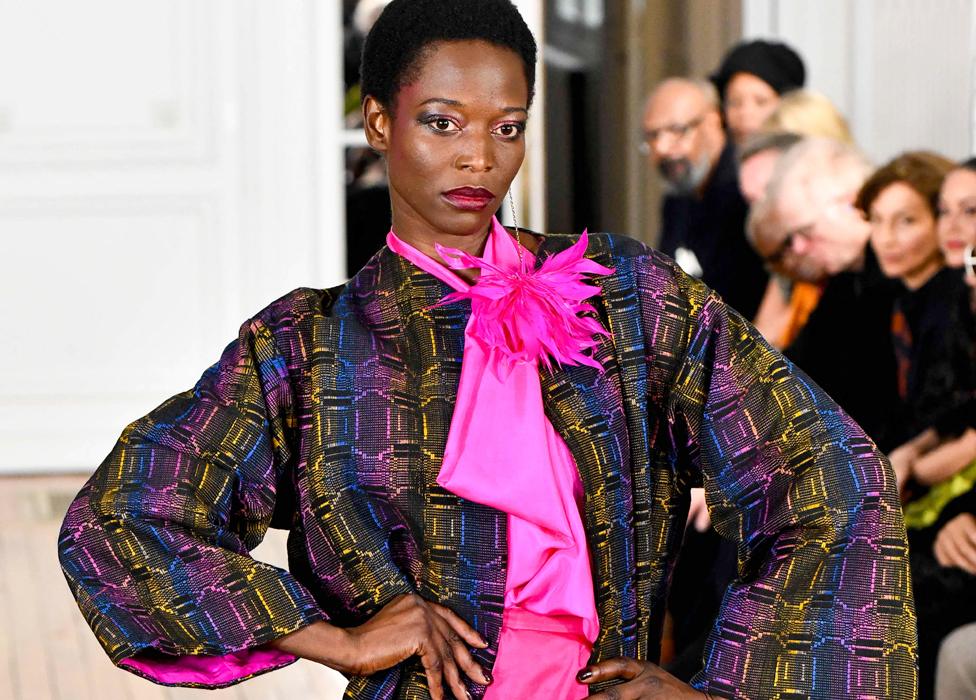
(503, 452)
(207, 670)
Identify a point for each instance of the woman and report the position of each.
(957, 213)
(474, 493)
(930, 326)
(751, 79)
(933, 341)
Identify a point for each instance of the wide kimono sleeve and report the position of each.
(155, 546)
(822, 603)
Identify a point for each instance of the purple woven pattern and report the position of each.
(329, 417)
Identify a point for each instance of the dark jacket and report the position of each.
(846, 348)
(713, 227)
(329, 417)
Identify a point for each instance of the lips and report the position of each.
(469, 198)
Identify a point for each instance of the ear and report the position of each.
(377, 123)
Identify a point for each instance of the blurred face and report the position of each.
(754, 174)
(453, 143)
(903, 235)
(748, 102)
(817, 231)
(682, 135)
(957, 215)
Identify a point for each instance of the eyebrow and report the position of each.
(455, 103)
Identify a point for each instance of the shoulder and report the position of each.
(295, 311)
(615, 246)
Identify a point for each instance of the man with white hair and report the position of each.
(703, 217)
(808, 229)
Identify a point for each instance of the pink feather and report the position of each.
(533, 314)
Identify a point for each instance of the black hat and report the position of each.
(774, 63)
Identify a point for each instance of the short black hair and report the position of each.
(396, 44)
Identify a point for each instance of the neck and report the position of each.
(424, 238)
(917, 278)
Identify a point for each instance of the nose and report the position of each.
(477, 153)
(800, 244)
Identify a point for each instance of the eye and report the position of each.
(510, 130)
(440, 124)
(969, 211)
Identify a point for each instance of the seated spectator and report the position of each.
(784, 308)
(930, 324)
(750, 80)
(807, 229)
(810, 113)
(932, 332)
(703, 214)
(957, 212)
(787, 304)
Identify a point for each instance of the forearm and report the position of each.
(320, 642)
(945, 460)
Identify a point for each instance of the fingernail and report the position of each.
(488, 677)
(468, 695)
(583, 675)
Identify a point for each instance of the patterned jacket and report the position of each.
(329, 415)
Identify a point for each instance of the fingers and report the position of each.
(955, 545)
(620, 667)
(462, 628)
(461, 657)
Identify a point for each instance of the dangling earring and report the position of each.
(518, 237)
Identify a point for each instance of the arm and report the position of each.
(822, 603)
(155, 547)
(773, 314)
(945, 460)
(903, 457)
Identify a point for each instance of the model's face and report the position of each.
(453, 142)
(903, 235)
(748, 103)
(818, 232)
(755, 173)
(683, 135)
(957, 215)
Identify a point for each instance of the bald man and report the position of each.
(703, 218)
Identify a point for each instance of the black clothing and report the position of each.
(941, 365)
(713, 228)
(845, 347)
(945, 597)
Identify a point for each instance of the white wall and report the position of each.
(167, 168)
(901, 70)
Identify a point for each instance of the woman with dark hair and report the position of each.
(751, 79)
(482, 446)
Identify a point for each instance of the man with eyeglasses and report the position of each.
(808, 229)
(703, 216)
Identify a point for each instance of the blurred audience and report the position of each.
(702, 222)
(808, 230)
(750, 80)
(933, 341)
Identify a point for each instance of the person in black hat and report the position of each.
(750, 80)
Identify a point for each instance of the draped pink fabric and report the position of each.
(503, 452)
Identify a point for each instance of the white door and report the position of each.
(167, 168)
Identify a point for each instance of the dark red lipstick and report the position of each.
(469, 198)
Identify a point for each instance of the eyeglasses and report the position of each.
(674, 133)
(804, 232)
(969, 260)
(807, 232)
